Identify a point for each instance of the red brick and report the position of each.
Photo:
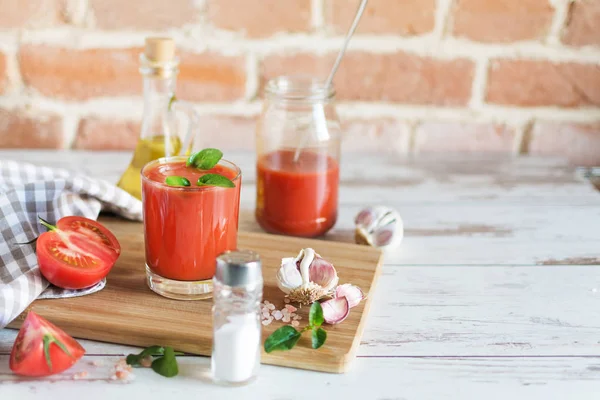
(580, 143)
(406, 17)
(103, 134)
(211, 77)
(375, 136)
(398, 77)
(502, 20)
(259, 18)
(19, 129)
(464, 137)
(226, 132)
(531, 83)
(80, 74)
(31, 13)
(3, 74)
(143, 14)
(583, 27)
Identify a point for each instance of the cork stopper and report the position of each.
(159, 49)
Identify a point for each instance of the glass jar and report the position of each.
(298, 152)
(238, 286)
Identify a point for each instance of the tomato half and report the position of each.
(43, 349)
(76, 253)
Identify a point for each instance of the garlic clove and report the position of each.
(288, 277)
(323, 273)
(352, 293)
(379, 226)
(335, 310)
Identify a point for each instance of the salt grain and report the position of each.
(80, 375)
(277, 315)
(286, 300)
(290, 308)
(286, 319)
(271, 306)
(295, 323)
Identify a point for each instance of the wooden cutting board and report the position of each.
(127, 312)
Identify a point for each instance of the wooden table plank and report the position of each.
(389, 378)
(382, 179)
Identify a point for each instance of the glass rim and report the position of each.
(299, 88)
(166, 160)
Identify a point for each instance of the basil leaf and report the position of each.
(204, 159)
(315, 315)
(284, 338)
(175, 180)
(135, 359)
(215, 180)
(319, 335)
(167, 364)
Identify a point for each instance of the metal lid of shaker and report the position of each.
(239, 268)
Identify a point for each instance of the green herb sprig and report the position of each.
(286, 337)
(205, 160)
(161, 359)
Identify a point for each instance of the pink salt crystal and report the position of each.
(286, 300)
(290, 308)
(80, 375)
(277, 315)
(295, 323)
(266, 322)
(296, 318)
(271, 306)
(265, 313)
(286, 318)
(267, 302)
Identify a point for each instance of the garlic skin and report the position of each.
(379, 226)
(307, 277)
(335, 310)
(350, 292)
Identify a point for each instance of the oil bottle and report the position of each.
(158, 136)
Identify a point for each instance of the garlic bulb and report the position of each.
(307, 277)
(379, 227)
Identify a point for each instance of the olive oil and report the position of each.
(147, 150)
(159, 131)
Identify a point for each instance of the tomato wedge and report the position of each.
(76, 253)
(43, 349)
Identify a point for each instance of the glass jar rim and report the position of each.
(166, 160)
(299, 88)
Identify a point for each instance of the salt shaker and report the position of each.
(237, 293)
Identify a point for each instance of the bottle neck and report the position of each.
(158, 92)
(157, 121)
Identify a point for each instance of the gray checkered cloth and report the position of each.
(28, 191)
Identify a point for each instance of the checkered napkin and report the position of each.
(28, 191)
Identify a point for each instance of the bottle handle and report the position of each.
(187, 109)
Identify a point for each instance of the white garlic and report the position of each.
(379, 226)
(307, 277)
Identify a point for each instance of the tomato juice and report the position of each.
(299, 197)
(186, 228)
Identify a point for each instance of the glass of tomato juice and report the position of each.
(187, 227)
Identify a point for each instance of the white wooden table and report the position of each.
(494, 293)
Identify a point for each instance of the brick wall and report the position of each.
(509, 76)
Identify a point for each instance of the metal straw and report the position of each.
(338, 60)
